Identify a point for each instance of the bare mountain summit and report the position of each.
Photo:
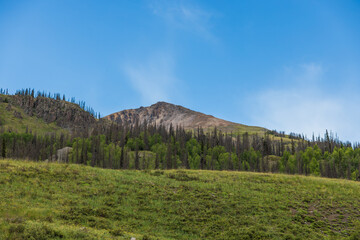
(166, 113)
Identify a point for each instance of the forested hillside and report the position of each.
(14, 119)
(46, 108)
(106, 144)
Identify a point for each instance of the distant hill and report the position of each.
(41, 114)
(14, 118)
(166, 113)
(44, 114)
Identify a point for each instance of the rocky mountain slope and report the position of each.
(18, 112)
(166, 114)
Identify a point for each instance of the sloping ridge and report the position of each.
(64, 114)
(163, 113)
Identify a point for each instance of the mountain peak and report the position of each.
(166, 104)
(164, 113)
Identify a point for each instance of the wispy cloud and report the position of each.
(304, 106)
(153, 78)
(185, 16)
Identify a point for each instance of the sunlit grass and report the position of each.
(60, 201)
(20, 125)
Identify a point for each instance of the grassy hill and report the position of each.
(14, 118)
(60, 201)
(43, 114)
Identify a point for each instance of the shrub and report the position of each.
(182, 176)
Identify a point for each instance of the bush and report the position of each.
(38, 231)
(356, 233)
(16, 229)
(117, 232)
(182, 176)
(146, 237)
(157, 173)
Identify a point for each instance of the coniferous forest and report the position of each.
(142, 146)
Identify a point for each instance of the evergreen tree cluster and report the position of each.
(143, 146)
(4, 91)
(56, 96)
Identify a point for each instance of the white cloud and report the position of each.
(154, 78)
(188, 17)
(304, 106)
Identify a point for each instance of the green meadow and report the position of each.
(68, 201)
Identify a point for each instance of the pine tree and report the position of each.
(137, 164)
(156, 161)
(122, 157)
(3, 149)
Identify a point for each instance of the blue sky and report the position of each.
(291, 65)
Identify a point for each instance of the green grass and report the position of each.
(241, 129)
(60, 201)
(38, 125)
(237, 128)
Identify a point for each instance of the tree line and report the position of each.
(57, 96)
(143, 146)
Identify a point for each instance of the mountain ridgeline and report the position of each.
(65, 114)
(163, 113)
(162, 136)
(26, 110)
